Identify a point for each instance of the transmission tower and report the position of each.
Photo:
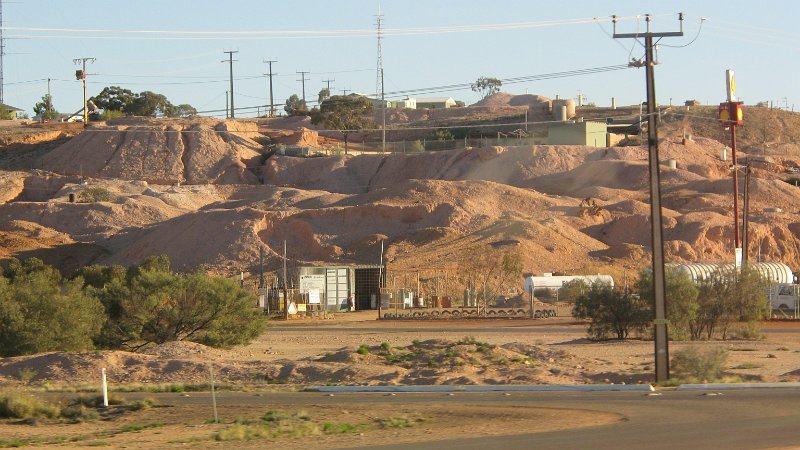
(379, 87)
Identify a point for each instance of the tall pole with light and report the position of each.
(731, 115)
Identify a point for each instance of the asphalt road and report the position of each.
(733, 419)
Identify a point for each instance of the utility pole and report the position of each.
(656, 227)
(230, 65)
(303, 79)
(746, 213)
(49, 100)
(271, 101)
(345, 91)
(328, 83)
(379, 83)
(81, 75)
(227, 106)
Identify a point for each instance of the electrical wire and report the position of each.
(110, 33)
(699, 29)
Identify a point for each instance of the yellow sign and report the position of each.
(730, 83)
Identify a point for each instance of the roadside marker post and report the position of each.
(104, 387)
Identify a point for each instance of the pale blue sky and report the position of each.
(756, 39)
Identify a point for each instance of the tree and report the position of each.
(114, 98)
(40, 312)
(44, 108)
(295, 106)
(324, 94)
(489, 271)
(572, 290)
(151, 304)
(345, 113)
(486, 86)
(149, 103)
(729, 296)
(681, 294)
(612, 313)
(185, 110)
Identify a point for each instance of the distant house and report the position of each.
(436, 102)
(8, 112)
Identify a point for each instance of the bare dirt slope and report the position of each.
(428, 209)
(181, 151)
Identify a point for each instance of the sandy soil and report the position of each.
(169, 425)
(354, 348)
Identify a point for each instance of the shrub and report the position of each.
(40, 312)
(682, 304)
(692, 365)
(612, 313)
(154, 305)
(363, 349)
(385, 346)
(94, 194)
(416, 147)
(20, 406)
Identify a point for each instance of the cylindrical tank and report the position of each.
(557, 281)
(560, 113)
(613, 103)
(672, 164)
(568, 102)
(772, 271)
(723, 154)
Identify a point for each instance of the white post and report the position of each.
(213, 392)
(104, 386)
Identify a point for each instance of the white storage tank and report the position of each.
(568, 103)
(553, 282)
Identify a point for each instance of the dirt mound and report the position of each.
(515, 166)
(192, 151)
(436, 361)
(19, 236)
(498, 99)
(11, 185)
(303, 137)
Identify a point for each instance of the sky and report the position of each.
(176, 48)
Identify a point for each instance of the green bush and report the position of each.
(151, 304)
(94, 194)
(700, 367)
(612, 313)
(363, 349)
(682, 304)
(19, 406)
(116, 307)
(40, 312)
(416, 147)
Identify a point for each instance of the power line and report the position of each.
(82, 33)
